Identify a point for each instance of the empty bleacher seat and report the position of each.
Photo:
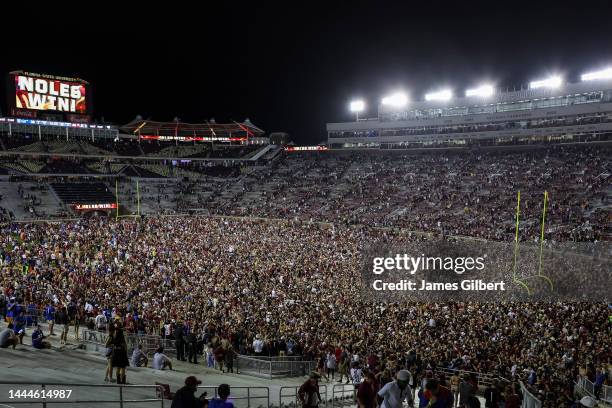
(83, 193)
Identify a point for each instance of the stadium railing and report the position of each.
(274, 358)
(288, 396)
(343, 394)
(273, 367)
(587, 387)
(483, 379)
(148, 343)
(529, 400)
(48, 394)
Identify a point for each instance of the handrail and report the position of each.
(588, 387)
(294, 395)
(273, 359)
(529, 400)
(150, 341)
(268, 368)
(343, 391)
(482, 378)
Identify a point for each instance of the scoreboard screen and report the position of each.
(36, 95)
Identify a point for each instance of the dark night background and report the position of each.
(293, 67)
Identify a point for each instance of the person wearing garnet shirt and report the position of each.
(435, 396)
(366, 393)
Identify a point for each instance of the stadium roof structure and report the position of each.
(234, 131)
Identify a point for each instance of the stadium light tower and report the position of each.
(443, 95)
(356, 107)
(482, 91)
(397, 100)
(603, 74)
(554, 81)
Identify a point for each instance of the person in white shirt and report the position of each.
(88, 307)
(139, 358)
(160, 360)
(101, 322)
(394, 393)
(356, 375)
(258, 344)
(331, 365)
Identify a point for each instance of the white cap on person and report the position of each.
(403, 375)
(588, 402)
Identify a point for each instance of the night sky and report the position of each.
(295, 66)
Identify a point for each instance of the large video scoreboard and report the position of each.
(49, 97)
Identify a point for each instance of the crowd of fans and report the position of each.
(459, 194)
(470, 194)
(283, 287)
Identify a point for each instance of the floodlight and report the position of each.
(443, 95)
(397, 99)
(357, 106)
(482, 91)
(603, 74)
(550, 82)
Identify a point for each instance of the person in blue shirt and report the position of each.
(533, 377)
(32, 315)
(20, 326)
(435, 395)
(221, 402)
(37, 339)
(600, 379)
(50, 317)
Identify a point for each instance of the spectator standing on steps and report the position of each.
(50, 317)
(179, 338)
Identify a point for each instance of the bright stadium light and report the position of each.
(357, 106)
(482, 91)
(603, 74)
(397, 99)
(550, 82)
(443, 95)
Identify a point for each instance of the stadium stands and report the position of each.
(83, 193)
(32, 166)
